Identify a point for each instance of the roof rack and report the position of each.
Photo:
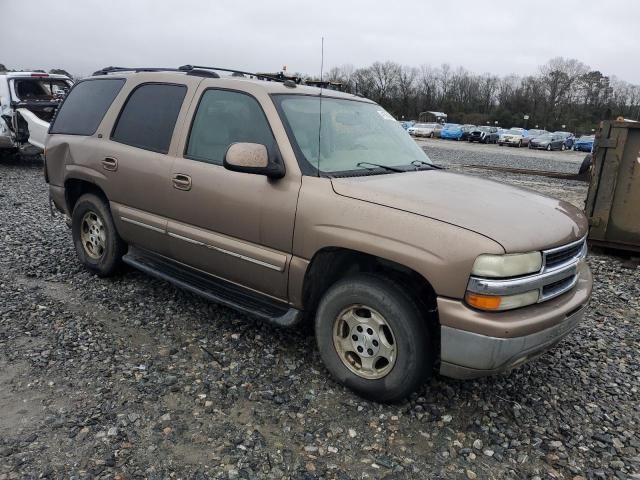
(201, 71)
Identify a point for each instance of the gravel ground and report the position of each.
(457, 156)
(131, 378)
(465, 153)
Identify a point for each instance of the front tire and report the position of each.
(549, 148)
(373, 338)
(98, 245)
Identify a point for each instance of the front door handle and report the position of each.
(181, 181)
(110, 163)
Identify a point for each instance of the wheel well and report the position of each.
(75, 188)
(331, 264)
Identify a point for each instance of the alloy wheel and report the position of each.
(93, 235)
(364, 342)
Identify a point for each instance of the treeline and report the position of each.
(563, 92)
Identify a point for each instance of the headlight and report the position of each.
(504, 266)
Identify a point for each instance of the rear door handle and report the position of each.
(181, 181)
(110, 163)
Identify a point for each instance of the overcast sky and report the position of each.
(483, 36)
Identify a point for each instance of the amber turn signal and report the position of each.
(483, 302)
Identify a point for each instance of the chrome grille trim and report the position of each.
(582, 253)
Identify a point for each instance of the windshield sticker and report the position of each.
(385, 115)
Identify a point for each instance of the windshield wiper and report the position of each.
(385, 167)
(420, 163)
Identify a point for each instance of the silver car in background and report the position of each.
(425, 130)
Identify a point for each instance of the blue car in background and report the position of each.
(452, 131)
(584, 143)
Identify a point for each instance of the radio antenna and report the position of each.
(320, 100)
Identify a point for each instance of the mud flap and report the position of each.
(37, 127)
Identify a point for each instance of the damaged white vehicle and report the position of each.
(28, 101)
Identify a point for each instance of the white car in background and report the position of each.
(28, 101)
(514, 137)
(424, 129)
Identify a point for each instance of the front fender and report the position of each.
(442, 253)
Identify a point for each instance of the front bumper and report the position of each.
(476, 344)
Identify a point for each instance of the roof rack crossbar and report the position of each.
(231, 70)
(106, 70)
(188, 68)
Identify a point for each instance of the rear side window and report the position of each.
(149, 116)
(85, 106)
(225, 117)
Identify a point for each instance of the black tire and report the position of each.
(549, 148)
(110, 259)
(586, 164)
(414, 359)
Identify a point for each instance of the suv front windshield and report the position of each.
(352, 132)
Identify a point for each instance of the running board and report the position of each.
(212, 288)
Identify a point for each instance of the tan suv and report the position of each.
(290, 202)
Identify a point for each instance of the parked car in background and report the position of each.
(437, 130)
(452, 131)
(406, 124)
(550, 141)
(515, 137)
(28, 101)
(533, 133)
(584, 143)
(401, 266)
(484, 135)
(423, 129)
(568, 139)
(466, 131)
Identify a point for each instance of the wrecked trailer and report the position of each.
(28, 102)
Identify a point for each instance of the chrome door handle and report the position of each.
(181, 181)
(110, 163)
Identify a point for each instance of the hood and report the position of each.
(520, 220)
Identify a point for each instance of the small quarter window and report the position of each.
(224, 117)
(149, 116)
(85, 106)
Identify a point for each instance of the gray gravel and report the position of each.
(452, 153)
(132, 378)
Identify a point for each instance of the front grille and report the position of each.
(559, 256)
(553, 289)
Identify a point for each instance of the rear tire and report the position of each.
(98, 245)
(586, 165)
(549, 148)
(355, 346)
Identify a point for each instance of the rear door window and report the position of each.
(149, 116)
(224, 117)
(85, 106)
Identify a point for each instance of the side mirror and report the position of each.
(252, 158)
